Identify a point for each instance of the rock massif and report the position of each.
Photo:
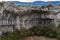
(13, 16)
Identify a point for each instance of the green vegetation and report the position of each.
(7, 36)
(2, 3)
(49, 4)
(58, 32)
(23, 33)
(16, 35)
(42, 6)
(48, 31)
(44, 31)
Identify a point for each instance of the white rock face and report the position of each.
(5, 29)
(13, 16)
(58, 16)
(57, 19)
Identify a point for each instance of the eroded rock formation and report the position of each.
(13, 16)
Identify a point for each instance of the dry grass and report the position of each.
(39, 38)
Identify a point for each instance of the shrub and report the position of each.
(36, 30)
(58, 32)
(58, 36)
(7, 36)
(24, 32)
(48, 31)
(16, 35)
(50, 5)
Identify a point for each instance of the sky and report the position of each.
(30, 0)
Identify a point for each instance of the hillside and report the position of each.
(36, 3)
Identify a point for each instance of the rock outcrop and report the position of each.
(12, 15)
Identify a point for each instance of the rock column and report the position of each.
(17, 22)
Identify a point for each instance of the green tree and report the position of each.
(42, 6)
(49, 4)
(2, 3)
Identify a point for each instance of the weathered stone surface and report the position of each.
(18, 16)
